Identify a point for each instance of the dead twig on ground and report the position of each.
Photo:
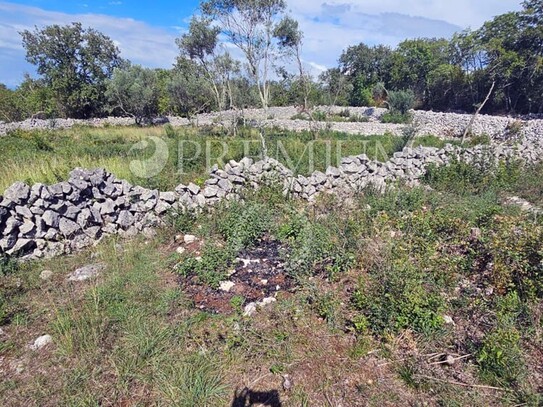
(476, 386)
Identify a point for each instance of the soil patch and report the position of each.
(258, 273)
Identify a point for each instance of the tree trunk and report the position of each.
(470, 125)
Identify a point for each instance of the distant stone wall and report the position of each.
(45, 221)
(445, 125)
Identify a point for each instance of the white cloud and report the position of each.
(329, 27)
(463, 13)
(138, 41)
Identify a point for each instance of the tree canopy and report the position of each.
(82, 73)
(75, 63)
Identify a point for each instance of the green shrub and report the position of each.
(315, 246)
(516, 252)
(8, 265)
(181, 222)
(500, 355)
(211, 268)
(396, 201)
(310, 248)
(396, 117)
(397, 296)
(482, 139)
(327, 306)
(476, 178)
(401, 101)
(292, 227)
(237, 301)
(243, 224)
(319, 116)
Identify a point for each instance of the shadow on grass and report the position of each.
(248, 398)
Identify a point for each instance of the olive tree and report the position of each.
(201, 45)
(188, 91)
(249, 25)
(75, 63)
(134, 91)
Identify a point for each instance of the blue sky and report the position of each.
(162, 13)
(145, 31)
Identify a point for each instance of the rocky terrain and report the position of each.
(40, 220)
(446, 125)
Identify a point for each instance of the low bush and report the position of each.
(396, 118)
(243, 224)
(500, 356)
(401, 101)
(212, 266)
(398, 296)
(396, 201)
(8, 265)
(327, 306)
(515, 250)
(314, 249)
(481, 176)
(319, 115)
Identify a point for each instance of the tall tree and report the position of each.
(9, 106)
(371, 64)
(290, 39)
(201, 44)
(413, 62)
(188, 91)
(336, 87)
(249, 25)
(134, 91)
(75, 63)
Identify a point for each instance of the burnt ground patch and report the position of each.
(258, 272)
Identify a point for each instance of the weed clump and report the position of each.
(500, 356)
(398, 297)
(240, 225)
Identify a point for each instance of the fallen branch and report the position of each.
(476, 386)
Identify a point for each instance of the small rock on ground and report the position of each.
(226, 286)
(86, 272)
(46, 274)
(41, 342)
(448, 320)
(251, 308)
(188, 239)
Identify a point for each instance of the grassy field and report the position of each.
(418, 297)
(48, 156)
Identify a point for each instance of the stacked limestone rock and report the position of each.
(50, 220)
(56, 124)
(446, 125)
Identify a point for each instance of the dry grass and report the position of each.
(133, 337)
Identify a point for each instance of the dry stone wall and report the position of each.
(445, 125)
(43, 221)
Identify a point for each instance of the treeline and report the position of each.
(505, 55)
(82, 73)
